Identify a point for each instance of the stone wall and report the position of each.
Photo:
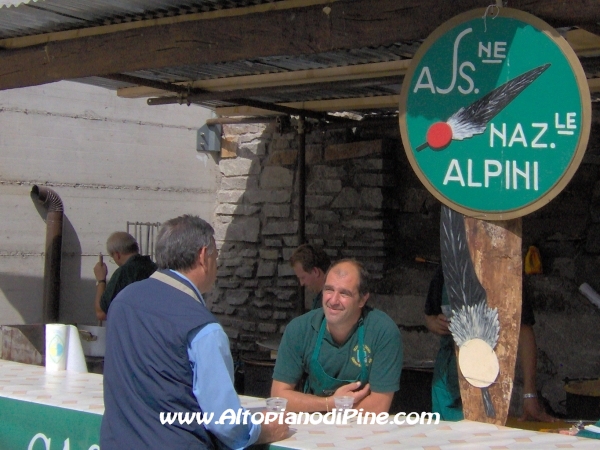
(363, 200)
(567, 232)
(348, 187)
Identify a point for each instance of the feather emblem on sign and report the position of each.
(473, 119)
(474, 325)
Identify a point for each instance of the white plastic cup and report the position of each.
(343, 402)
(276, 404)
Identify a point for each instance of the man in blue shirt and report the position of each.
(166, 353)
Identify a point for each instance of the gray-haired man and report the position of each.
(167, 353)
(124, 250)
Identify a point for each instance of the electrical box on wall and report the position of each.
(209, 138)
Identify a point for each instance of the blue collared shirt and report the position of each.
(212, 366)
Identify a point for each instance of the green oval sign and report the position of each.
(495, 114)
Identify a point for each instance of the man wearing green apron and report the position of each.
(344, 348)
(445, 391)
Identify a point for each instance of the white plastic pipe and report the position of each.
(590, 293)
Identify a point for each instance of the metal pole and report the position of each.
(301, 197)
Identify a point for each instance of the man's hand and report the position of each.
(437, 324)
(533, 411)
(272, 432)
(353, 390)
(300, 402)
(100, 271)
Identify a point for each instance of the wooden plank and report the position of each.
(584, 43)
(229, 147)
(295, 78)
(495, 249)
(342, 104)
(342, 25)
(353, 150)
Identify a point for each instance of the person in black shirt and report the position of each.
(124, 250)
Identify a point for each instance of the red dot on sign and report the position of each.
(439, 135)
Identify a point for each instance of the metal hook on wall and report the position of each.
(491, 11)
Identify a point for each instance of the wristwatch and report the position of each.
(100, 281)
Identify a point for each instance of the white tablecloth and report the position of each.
(83, 392)
(78, 391)
(443, 436)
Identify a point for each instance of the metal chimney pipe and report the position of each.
(54, 228)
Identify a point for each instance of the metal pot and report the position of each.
(583, 398)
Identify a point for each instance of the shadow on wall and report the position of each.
(76, 293)
(25, 292)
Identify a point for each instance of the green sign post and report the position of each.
(495, 113)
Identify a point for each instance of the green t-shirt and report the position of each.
(383, 345)
(317, 301)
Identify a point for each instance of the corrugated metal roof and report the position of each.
(278, 64)
(46, 16)
(29, 17)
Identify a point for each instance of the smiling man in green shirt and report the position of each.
(344, 348)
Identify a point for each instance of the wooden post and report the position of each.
(495, 249)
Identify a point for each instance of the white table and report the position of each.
(65, 406)
(38, 407)
(443, 436)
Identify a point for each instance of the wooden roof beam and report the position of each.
(271, 107)
(584, 43)
(345, 24)
(346, 104)
(294, 78)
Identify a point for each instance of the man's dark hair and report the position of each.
(310, 257)
(180, 240)
(363, 274)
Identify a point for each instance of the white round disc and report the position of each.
(478, 363)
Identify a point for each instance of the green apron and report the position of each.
(445, 391)
(321, 384)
